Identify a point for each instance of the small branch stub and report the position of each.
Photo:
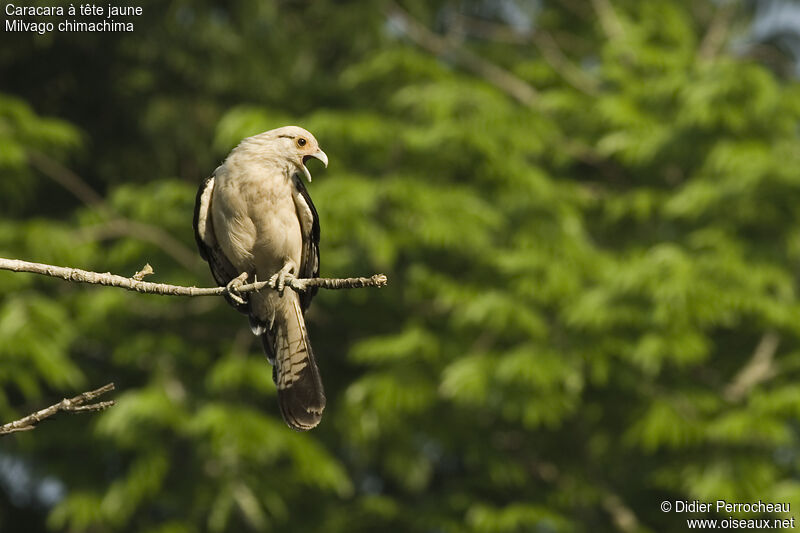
(70, 405)
(145, 271)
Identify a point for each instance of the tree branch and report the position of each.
(544, 41)
(136, 284)
(714, 39)
(512, 85)
(609, 20)
(759, 368)
(622, 515)
(117, 224)
(559, 62)
(71, 405)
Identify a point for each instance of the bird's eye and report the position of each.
(301, 142)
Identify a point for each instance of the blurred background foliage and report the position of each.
(588, 210)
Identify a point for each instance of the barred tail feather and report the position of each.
(300, 394)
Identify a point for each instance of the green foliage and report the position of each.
(23, 132)
(576, 285)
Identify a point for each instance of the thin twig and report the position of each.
(623, 517)
(625, 520)
(512, 85)
(717, 31)
(759, 368)
(488, 30)
(505, 81)
(544, 41)
(68, 180)
(137, 285)
(117, 224)
(559, 62)
(609, 20)
(71, 405)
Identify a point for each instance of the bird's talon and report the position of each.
(233, 288)
(279, 279)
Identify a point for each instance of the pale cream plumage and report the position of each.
(254, 215)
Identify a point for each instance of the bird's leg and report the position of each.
(278, 280)
(233, 288)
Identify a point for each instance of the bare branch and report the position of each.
(71, 405)
(555, 57)
(137, 285)
(609, 20)
(625, 520)
(117, 225)
(488, 30)
(622, 515)
(163, 240)
(757, 370)
(717, 32)
(67, 179)
(543, 40)
(512, 85)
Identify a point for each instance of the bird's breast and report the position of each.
(258, 225)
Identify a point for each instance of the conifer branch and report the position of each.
(69, 405)
(135, 283)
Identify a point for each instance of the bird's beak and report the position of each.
(322, 156)
(319, 154)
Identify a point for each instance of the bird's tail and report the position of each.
(300, 394)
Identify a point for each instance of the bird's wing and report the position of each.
(221, 268)
(309, 224)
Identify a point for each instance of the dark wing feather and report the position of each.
(309, 267)
(221, 268)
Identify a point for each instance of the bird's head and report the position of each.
(293, 144)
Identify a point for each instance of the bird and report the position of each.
(254, 215)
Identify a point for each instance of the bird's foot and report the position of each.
(279, 279)
(232, 288)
